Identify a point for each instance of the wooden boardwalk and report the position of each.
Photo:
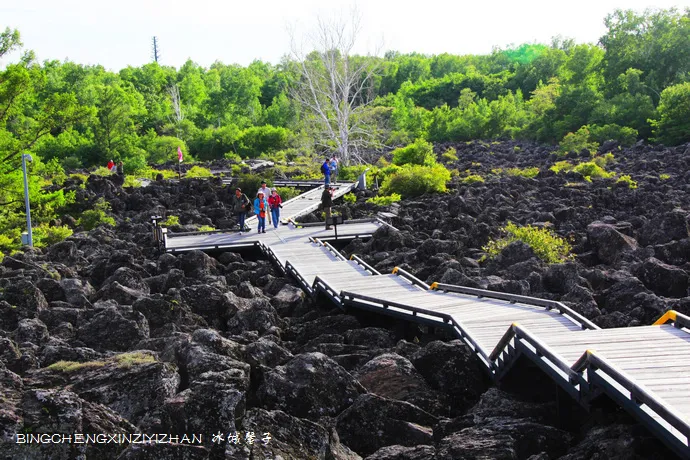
(643, 369)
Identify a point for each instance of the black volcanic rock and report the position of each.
(310, 385)
(609, 243)
(114, 329)
(372, 422)
(451, 368)
(664, 279)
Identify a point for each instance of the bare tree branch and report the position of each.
(335, 88)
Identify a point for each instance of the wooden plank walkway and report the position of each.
(303, 204)
(644, 369)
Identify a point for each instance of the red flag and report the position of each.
(179, 154)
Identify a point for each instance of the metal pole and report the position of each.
(26, 199)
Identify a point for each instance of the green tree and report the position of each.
(673, 125)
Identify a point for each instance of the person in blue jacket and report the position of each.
(261, 210)
(326, 171)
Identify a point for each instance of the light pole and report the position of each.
(30, 239)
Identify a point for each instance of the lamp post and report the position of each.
(29, 237)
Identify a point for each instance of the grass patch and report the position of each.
(132, 359)
(71, 366)
(546, 245)
(125, 360)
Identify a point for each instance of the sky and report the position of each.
(119, 33)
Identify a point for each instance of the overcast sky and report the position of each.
(118, 33)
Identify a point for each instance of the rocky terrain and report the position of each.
(101, 334)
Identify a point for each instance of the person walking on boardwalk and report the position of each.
(240, 206)
(333, 166)
(267, 193)
(261, 209)
(326, 170)
(327, 202)
(275, 203)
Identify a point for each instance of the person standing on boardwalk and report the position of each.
(240, 206)
(275, 203)
(327, 202)
(326, 170)
(267, 193)
(261, 209)
(333, 166)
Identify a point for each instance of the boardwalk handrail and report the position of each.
(444, 320)
(592, 362)
(679, 320)
(516, 298)
(411, 278)
(364, 265)
(518, 332)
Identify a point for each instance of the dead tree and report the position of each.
(335, 89)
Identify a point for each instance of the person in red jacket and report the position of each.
(275, 203)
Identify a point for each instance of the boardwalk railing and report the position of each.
(652, 383)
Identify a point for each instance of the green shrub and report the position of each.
(167, 173)
(385, 200)
(415, 180)
(420, 152)
(562, 166)
(287, 193)
(256, 140)
(131, 181)
(92, 218)
(350, 198)
(673, 125)
(251, 183)
(102, 171)
(590, 170)
(627, 181)
(171, 221)
(473, 179)
(603, 160)
(526, 172)
(198, 171)
(79, 177)
(164, 148)
(576, 142)
(45, 235)
(664, 176)
(546, 245)
(622, 134)
(232, 156)
(352, 173)
(450, 155)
